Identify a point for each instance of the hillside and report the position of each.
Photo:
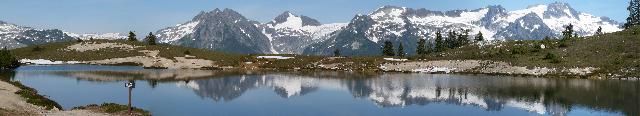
(121, 52)
(615, 54)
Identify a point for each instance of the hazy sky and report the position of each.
(142, 16)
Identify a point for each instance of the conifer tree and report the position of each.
(479, 37)
(336, 52)
(429, 48)
(451, 39)
(440, 44)
(132, 36)
(599, 31)
(151, 39)
(567, 34)
(463, 38)
(91, 39)
(421, 49)
(387, 49)
(400, 50)
(634, 14)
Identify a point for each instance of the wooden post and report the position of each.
(131, 84)
(130, 99)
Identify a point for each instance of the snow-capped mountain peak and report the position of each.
(14, 36)
(292, 21)
(390, 14)
(557, 15)
(558, 9)
(290, 33)
(407, 25)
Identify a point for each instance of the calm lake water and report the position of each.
(198, 92)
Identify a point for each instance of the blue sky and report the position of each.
(100, 16)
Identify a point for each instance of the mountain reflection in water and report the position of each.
(545, 96)
(539, 95)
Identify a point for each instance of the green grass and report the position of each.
(55, 51)
(114, 108)
(613, 53)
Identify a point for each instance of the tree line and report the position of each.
(453, 40)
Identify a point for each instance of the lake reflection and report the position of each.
(335, 93)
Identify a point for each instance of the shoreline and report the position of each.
(563, 73)
(126, 53)
(15, 102)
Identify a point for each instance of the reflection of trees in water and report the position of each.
(7, 75)
(540, 95)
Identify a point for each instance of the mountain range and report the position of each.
(14, 36)
(365, 33)
(288, 33)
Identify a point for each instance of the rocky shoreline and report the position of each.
(166, 57)
(435, 66)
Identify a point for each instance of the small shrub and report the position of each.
(537, 48)
(518, 50)
(187, 52)
(37, 48)
(563, 44)
(553, 58)
(7, 60)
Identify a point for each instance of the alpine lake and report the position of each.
(167, 92)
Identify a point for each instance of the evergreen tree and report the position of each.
(634, 14)
(151, 39)
(567, 34)
(429, 48)
(463, 38)
(132, 36)
(336, 52)
(401, 50)
(91, 39)
(479, 37)
(7, 60)
(440, 44)
(599, 31)
(387, 49)
(451, 39)
(421, 49)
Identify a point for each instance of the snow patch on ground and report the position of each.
(46, 62)
(394, 59)
(275, 57)
(582, 71)
(434, 70)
